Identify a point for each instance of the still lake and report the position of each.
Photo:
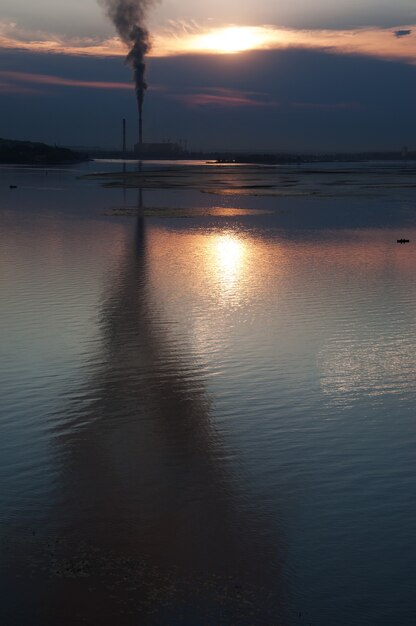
(209, 420)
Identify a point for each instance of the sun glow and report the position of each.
(231, 40)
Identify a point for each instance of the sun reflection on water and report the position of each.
(229, 257)
(230, 254)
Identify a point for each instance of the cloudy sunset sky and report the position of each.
(259, 75)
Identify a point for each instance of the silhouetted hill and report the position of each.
(22, 152)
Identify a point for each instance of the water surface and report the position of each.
(209, 420)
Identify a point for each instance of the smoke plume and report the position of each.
(129, 17)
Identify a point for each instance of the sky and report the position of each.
(263, 75)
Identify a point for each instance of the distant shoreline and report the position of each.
(277, 158)
(28, 153)
(14, 152)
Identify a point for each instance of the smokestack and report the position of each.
(129, 17)
(141, 123)
(124, 137)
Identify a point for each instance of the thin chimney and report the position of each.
(141, 123)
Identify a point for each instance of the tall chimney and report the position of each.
(141, 123)
(124, 137)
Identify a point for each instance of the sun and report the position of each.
(230, 40)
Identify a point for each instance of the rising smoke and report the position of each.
(129, 17)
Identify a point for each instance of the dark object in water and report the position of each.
(13, 186)
(403, 241)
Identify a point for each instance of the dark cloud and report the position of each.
(402, 33)
(82, 18)
(327, 14)
(326, 106)
(288, 100)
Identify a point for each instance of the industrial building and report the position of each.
(162, 150)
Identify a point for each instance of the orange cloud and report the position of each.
(375, 42)
(8, 88)
(181, 38)
(45, 79)
(224, 98)
(12, 38)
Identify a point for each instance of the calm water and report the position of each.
(205, 421)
